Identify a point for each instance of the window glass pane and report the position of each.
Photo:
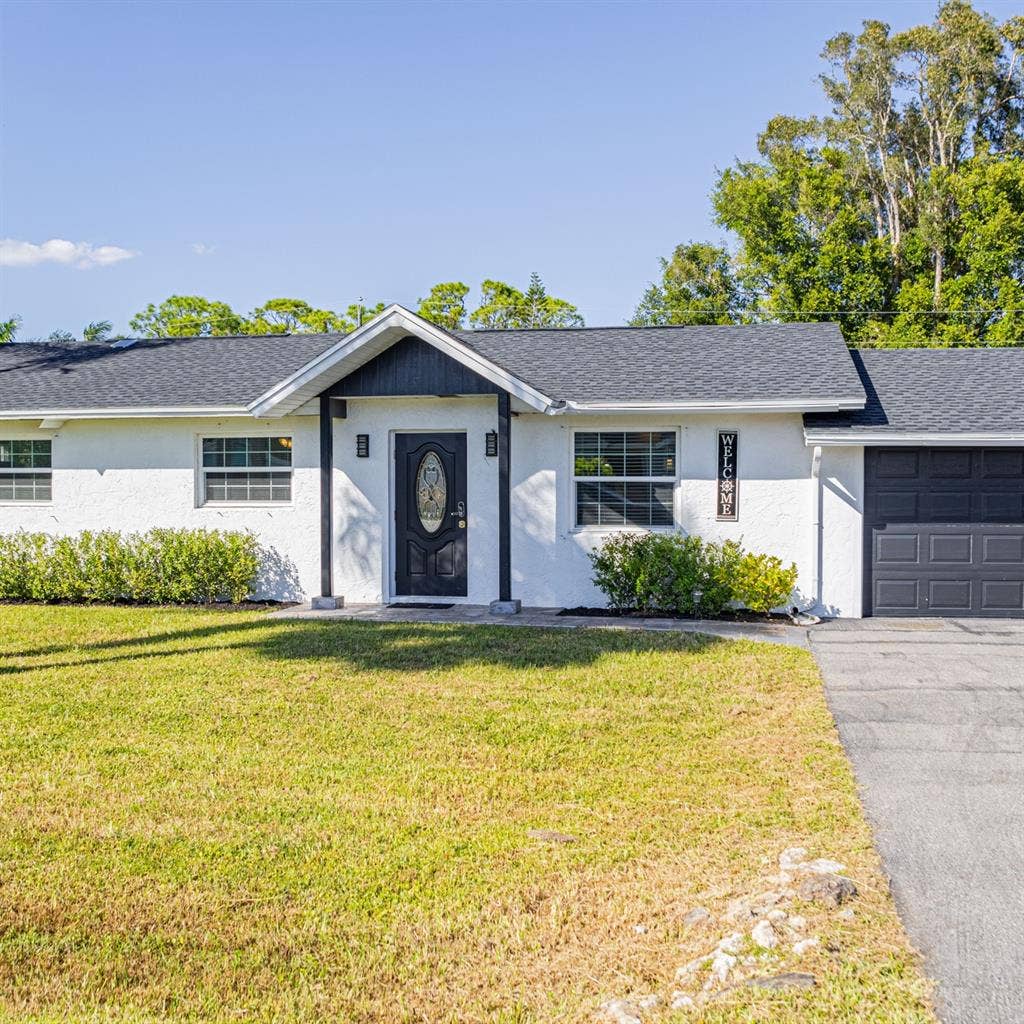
(240, 452)
(25, 454)
(25, 487)
(249, 486)
(663, 454)
(636, 453)
(661, 505)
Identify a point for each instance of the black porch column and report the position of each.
(504, 605)
(329, 408)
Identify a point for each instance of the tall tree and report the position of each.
(898, 213)
(698, 286)
(9, 328)
(504, 306)
(293, 316)
(183, 316)
(445, 305)
(97, 331)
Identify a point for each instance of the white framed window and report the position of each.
(245, 469)
(624, 477)
(26, 472)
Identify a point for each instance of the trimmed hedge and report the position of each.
(158, 567)
(670, 572)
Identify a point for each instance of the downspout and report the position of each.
(816, 526)
(807, 616)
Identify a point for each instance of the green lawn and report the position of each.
(218, 816)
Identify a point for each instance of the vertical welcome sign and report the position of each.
(728, 481)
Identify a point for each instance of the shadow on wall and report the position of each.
(358, 646)
(278, 577)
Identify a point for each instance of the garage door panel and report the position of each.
(1002, 463)
(1002, 595)
(945, 532)
(897, 549)
(947, 507)
(898, 506)
(954, 464)
(950, 597)
(1002, 549)
(893, 596)
(950, 548)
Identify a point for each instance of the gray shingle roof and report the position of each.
(945, 391)
(170, 372)
(605, 364)
(676, 364)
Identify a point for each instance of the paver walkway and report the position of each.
(772, 632)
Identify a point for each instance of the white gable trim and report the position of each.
(370, 340)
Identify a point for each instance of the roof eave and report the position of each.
(869, 438)
(126, 412)
(766, 405)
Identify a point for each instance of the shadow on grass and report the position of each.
(365, 646)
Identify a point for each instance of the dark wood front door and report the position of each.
(430, 515)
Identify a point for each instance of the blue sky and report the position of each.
(328, 151)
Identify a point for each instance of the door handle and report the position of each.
(460, 510)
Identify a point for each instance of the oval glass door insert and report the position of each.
(431, 492)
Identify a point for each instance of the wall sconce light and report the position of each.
(492, 444)
(362, 446)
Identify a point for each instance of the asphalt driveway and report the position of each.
(931, 713)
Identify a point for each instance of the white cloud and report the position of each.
(83, 255)
(202, 249)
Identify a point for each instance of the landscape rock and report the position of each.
(829, 889)
(791, 979)
(546, 835)
(681, 1001)
(722, 965)
(640, 929)
(764, 935)
(848, 914)
(797, 922)
(628, 1011)
(803, 945)
(777, 916)
(697, 916)
(822, 866)
(747, 907)
(792, 857)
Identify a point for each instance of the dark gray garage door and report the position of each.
(944, 531)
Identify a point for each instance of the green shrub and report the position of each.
(159, 567)
(762, 582)
(685, 575)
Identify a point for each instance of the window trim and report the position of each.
(232, 430)
(573, 480)
(28, 502)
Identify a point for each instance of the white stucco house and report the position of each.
(403, 462)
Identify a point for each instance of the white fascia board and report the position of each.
(138, 412)
(750, 406)
(846, 438)
(371, 339)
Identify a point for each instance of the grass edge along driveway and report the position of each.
(215, 816)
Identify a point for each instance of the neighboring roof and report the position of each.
(165, 373)
(930, 391)
(677, 365)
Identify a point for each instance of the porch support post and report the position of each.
(504, 605)
(327, 600)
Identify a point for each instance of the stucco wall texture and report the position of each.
(130, 475)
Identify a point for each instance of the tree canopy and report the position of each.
(900, 214)
(504, 306)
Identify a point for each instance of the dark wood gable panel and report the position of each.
(412, 367)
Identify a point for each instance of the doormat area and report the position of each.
(421, 604)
